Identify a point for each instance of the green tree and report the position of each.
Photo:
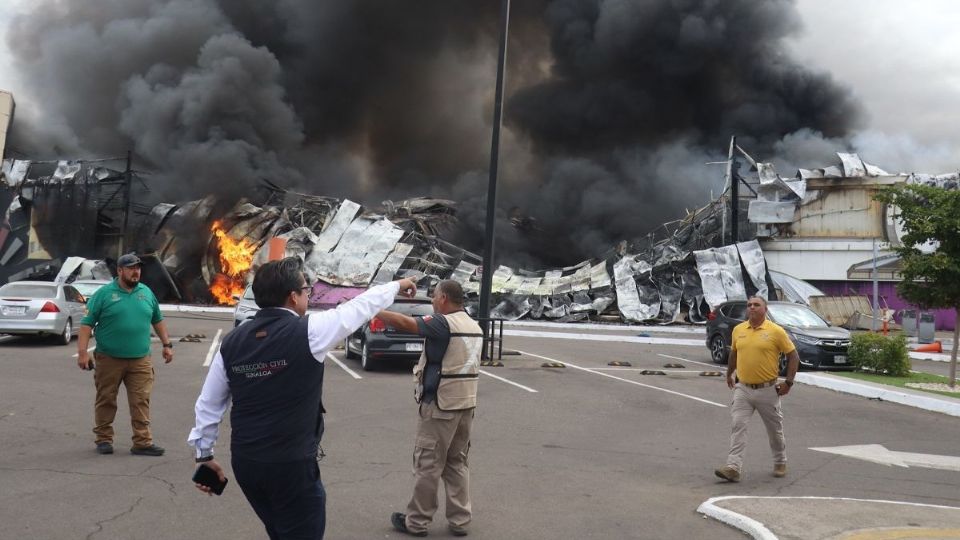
(930, 280)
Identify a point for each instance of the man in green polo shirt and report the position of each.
(122, 313)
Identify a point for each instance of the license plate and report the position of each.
(839, 359)
(14, 310)
(414, 347)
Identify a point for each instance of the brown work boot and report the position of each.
(779, 470)
(399, 522)
(728, 473)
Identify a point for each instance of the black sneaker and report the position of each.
(104, 448)
(456, 530)
(399, 521)
(152, 450)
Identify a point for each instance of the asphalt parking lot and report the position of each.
(588, 450)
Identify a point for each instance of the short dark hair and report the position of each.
(758, 297)
(452, 290)
(275, 279)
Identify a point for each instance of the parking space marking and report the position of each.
(610, 327)
(344, 366)
(213, 348)
(602, 374)
(681, 371)
(518, 385)
(613, 338)
(715, 366)
(90, 348)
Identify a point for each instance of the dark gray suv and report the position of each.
(820, 345)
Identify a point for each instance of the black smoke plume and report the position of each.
(613, 106)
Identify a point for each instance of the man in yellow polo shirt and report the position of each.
(755, 349)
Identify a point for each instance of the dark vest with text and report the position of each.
(277, 388)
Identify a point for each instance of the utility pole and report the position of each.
(731, 183)
(876, 287)
(128, 181)
(486, 283)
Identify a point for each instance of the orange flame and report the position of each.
(236, 257)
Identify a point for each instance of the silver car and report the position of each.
(87, 287)
(246, 307)
(41, 308)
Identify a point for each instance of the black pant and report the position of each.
(288, 497)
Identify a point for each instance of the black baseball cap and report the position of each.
(128, 260)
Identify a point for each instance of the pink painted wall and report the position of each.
(946, 319)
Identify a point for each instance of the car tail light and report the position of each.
(376, 325)
(712, 315)
(49, 307)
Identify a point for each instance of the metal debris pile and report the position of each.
(347, 248)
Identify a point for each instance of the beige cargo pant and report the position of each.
(443, 441)
(767, 403)
(137, 376)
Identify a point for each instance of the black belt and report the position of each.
(771, 382)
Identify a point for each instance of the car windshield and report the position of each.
(795, 315)
(248, 294)
(29, 290)
(87, 289)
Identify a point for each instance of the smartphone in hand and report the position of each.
(205, 476)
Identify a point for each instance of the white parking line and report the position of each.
(518, 385)
(714, 366)
(659, 370)
(213, 348)
(609, 338)
(609, 327)
(344, 366)
(92, 347)
(595, 372)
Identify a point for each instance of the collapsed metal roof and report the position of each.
(344, 245)
(678, 273)
(659, 277)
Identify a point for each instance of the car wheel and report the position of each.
(347, 353)
(718, 350)
(67, 335)
(367, 363)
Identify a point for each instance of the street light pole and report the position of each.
(486, 283)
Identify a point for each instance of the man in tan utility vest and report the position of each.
(446, 377)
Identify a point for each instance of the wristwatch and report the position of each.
(168, 345)
(788, 382)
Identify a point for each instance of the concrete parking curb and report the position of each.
(933, 357)
(736, 520)
(758, 516)
(945, 405)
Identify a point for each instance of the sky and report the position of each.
(898, 58)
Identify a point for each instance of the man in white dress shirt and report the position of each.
(271, 367)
